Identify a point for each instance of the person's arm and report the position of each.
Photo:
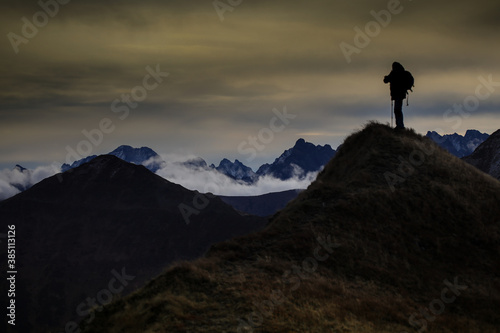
(388, 78)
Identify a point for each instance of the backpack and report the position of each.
(408, 81)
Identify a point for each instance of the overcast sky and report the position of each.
(218, 74)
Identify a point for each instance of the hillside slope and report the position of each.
(486, 157)
(395, 235)
(77, 231)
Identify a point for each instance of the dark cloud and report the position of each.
(226, 77)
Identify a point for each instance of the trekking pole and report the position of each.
(392, 115)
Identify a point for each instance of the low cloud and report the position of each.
(178, 169)
(7, 190)
(205, 179)
(13, 181)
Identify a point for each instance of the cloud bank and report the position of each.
(204, 179)
(226, 77)
(13, 181)
(174, 169)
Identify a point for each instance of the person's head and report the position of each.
(396, 66)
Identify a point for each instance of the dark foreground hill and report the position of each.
(395, 235)
(102, 230)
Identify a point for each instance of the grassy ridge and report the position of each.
(393, 227)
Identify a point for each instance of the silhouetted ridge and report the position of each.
(105, 216)
(398, 165)
(365, 156)
(390, 222)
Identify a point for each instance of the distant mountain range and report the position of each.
(106, 218)
(296, 162)
(457, 144)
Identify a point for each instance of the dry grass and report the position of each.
(396, 249)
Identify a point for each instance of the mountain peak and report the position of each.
(303, 158)
(225, 161)
(126, 153)
(124, 147)
(103, 161)
(104, 217)
(196, 163)
(20, 168)
(237, 171)
(104, 167)
(300, 142)
(134, 155)
(473, 132)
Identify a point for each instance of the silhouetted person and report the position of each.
(400, 82)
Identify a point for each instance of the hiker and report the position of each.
(401, 81)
